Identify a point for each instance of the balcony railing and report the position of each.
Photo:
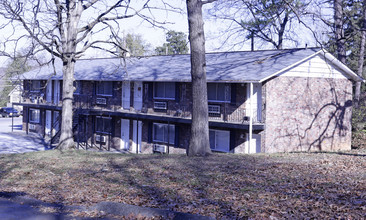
(227, 113)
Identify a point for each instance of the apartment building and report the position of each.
(261, 101)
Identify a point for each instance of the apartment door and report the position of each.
(125, 134)
(48, 122)
(126, 93)
(136, 136)
(56, 91)
(49, 92)
(137, 97)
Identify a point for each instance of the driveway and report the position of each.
(18, 141)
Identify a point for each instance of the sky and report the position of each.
(178, 22)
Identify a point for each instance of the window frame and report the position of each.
(31, 118)
(32, 86)
(228, 136)
(160, 84)
(103, 94)
(171, 132)
(103, 120)
(216, 91)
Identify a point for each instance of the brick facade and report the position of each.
(299, 113)
(307, 114)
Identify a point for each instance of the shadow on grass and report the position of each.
(157, 187)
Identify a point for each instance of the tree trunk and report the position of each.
(361, 55)
(339, 33)
(67, 137)
(199, 144)
(69, 47)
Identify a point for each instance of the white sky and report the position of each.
(178, 22)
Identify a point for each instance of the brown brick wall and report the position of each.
(184, 134)
(87, 97)
(307, 114)
(182, 108)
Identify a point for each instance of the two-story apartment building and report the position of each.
(262, 101)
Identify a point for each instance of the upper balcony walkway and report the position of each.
(90, 105)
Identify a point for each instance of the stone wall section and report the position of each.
(307, 114)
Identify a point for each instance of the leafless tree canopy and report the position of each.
(44, 26)
(65, 30)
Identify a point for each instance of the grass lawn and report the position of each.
(289, 185)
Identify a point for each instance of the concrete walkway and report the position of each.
(15, 140)
(20, 142)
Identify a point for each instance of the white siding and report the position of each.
(315, 67)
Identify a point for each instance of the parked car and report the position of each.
(9, 112)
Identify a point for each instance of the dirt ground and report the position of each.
(224, 186)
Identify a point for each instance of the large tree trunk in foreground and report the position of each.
(75, 9)
(199, 144)
(67, 136)
(361, 55)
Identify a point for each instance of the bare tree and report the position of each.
(361, 54)
(64, 29)
(199, 144)
(338, 30)
(270, 21)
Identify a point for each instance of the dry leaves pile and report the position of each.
(297, 185)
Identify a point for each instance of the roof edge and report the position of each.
(327, 55)
(289, 67)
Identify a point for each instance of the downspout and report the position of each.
(250, 116)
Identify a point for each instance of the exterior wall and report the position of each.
(307, 114)
(180, 107)
(88, 97)
(179, 148)
(38, 127)
(234, 111)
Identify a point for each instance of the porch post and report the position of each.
(250, 116)
(12, 118)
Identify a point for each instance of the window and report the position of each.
(218, 92)
(164, 90)
(34, 115)
(163, 132)
(220, 140)
(103, 125)
(105, 88)
(77, 85)
(35, 86)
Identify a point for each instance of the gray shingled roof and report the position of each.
(243, 66)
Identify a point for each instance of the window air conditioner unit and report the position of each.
(100, 138)
(160, 148)
(101, 101)
(214, 109)
(32, 127)
(160, 105)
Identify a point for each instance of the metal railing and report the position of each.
(227, 113)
